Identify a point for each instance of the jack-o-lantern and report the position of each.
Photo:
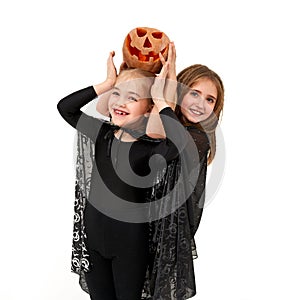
(142, 46)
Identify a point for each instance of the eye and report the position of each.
(157, 35)
(211, 100)
(115, 93)
(141, 32)
(194, 94)
(131, 98)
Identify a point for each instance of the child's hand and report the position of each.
(111, 70)
(157, 89)
(158, 86)
(172, 61)
(170, 90)
(111, 76)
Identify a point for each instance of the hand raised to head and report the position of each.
(111, 76)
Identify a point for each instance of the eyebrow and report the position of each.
(210, 96)
(134, 93)
(130, 92)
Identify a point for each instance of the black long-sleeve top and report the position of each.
(123, 166)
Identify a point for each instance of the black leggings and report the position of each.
(118, 255)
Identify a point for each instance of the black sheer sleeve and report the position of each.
(196, 201)
(70, 109)
(175, 131)
(177, 138)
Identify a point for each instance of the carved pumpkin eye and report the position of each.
(141, 32)
(157, 35)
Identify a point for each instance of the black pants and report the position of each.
(118, 255)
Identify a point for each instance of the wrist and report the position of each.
(172, 77)
(103, 87)
(160, 105)
(109, 83)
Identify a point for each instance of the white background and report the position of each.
(248, 241)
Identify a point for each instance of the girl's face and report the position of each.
(129, 101)
(199, 102)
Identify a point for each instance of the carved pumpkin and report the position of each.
(142, 46)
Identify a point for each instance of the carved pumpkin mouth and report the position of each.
(151, 56)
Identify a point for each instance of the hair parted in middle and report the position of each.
(187, 78)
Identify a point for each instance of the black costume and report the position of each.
(168, 264)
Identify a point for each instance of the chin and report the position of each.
(192, 120)
(117, 122)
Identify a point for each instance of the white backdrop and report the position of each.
(248, 238)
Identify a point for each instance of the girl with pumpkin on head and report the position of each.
(200, 94)
(111, 225)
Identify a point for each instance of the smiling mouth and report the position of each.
(196, 112)
(120, 112)
(151, 56)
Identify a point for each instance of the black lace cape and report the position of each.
(170, 275)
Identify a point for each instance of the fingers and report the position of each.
(162, 59)
(111, 69)
(172, 50)
(110, 56)
(110, 60)
(164, 70)
(172, 61)
(171, 54)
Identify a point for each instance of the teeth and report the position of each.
(120, 112)
(196, 112)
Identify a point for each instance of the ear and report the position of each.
(150, 107)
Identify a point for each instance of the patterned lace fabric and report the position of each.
(170, 275)
(84, 164)
(172, 248)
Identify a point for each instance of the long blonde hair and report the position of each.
(186, 79)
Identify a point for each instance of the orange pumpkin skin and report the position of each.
(142, 46)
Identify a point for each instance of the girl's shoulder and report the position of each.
(200, 138)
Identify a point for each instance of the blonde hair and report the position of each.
(131, 73)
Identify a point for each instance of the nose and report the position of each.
(147, 43)
(121, 101)
(200, 102)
